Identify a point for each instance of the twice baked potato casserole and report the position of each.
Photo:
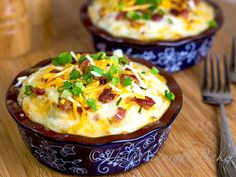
(150, 20)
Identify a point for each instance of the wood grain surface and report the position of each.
(192, 147)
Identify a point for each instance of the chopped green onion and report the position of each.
(161, 12)
(62, 59)
(139, 2)
(77, 91)
(113, 70)
(99, 55)
(61, 88)
(140, 110)
(133, 15)
(154, 3)
(147, 16)
(28, 89)
(88, 78)
(66, 93)
(123, 61)
(212, 24)
(79, 84)
(169, 95)
(75, 74)
(127, 81)
(81, 59)
(154, 71)
(70, 89)
(68, 85)
(143, 72)
(143, 88)
(115, 81)
(96, 69)
(118, 102)
(121, 6)
(170, 21)
(92, 104)
(114, 59)
(158, 2)
(108, 76)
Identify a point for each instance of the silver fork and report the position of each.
(233, 61)
(218, 93)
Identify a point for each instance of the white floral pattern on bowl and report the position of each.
(121, 156)
(129, 155)
(172, 59)
(49, 154)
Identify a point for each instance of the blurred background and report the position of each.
(56, 27)
(45, 28)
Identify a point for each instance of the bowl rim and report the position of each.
(94, 30)
(21, 119)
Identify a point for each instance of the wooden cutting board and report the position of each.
(192, 147)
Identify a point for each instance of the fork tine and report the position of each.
(227, 79)
(212, 74)
(219, 88)
(233, 55)
(205, 76)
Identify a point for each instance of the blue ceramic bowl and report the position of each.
(79, 155)
(172, 56)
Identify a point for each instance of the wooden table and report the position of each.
(192, 147)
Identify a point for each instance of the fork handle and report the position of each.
(227, 157)
(226, 136)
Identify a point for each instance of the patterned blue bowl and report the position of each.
(79, 159)
(172, 56)
(73, 154)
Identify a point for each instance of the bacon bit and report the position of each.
(106, 96)
(84, 65)
(145, 103)
(120, 114)
(38, 91)
(79, 110)
(96, 117)
(184, 12)
(125, 76)
(87, 108)
(157, 17)
(54, 71)
(174, 12)
(120, 16)
(197, 1)
(67, 106)
(103, 80)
